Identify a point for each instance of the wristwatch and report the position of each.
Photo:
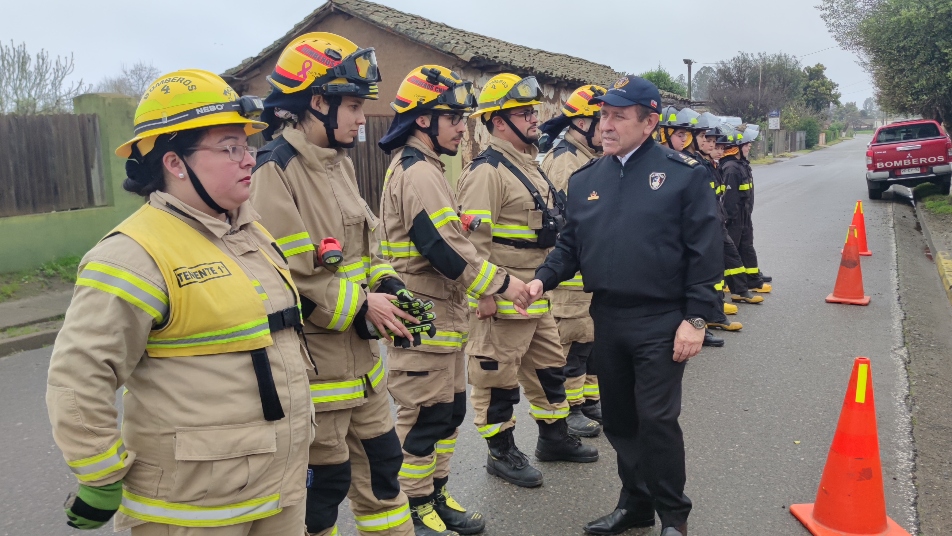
(697, 322)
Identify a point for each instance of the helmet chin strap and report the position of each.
(329, 120)
(202, 192)
(525, 139)
(589, 134)
(434, 133)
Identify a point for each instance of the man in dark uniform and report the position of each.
(642, 227)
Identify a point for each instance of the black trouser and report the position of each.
(641, 400)
(735, 275)
(741, 231)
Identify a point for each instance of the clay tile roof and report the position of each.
(477, 50)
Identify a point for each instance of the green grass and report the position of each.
(937, 204)
(18, 284)
(16, 332)
(926, 189)
(763, 161)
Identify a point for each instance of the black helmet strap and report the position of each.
(589, 134)
(202, 192)
(329, 120)
(505, 117)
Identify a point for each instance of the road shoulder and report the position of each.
(928, 339)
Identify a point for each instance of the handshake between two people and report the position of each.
(518, 292)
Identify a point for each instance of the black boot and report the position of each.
(426, 522)
(557, 444)
(766, 278)
(593, 410)
(711, 340)
(455, 516)
(619, 521)
(680, 530)
(581, 425)
(506, 461)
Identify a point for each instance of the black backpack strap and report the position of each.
(565, 147)
(410, 156)
(279, 151)
(493, 155)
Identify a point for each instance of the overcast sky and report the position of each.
(628, 35)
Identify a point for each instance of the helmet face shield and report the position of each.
(361, 66)
(460, 96)
(527, 90)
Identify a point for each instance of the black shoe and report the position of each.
(681, 530)
(711, 340)
(557, 444)
(426, 522)
(766, 278)
(455, 516)
(619, 521)
(581, 425)
(506, 461)
(593, 410)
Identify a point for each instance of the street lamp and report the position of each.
(689, 63)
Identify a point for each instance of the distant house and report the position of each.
(404, 41)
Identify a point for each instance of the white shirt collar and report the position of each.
(625, 158)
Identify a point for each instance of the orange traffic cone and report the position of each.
(859, 220)
(851, 500)
(849, 280)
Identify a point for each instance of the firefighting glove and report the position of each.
(90, 508)
(408, 303)
(416, 330)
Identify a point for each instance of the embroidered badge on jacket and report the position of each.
(593, 196)
(655, 180)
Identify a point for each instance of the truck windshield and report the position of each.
(907, 132)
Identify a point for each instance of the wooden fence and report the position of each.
(50, 163)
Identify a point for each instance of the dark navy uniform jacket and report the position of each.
(645, 236)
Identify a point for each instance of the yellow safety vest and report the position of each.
(214, 307)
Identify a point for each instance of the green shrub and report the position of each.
(812, 127)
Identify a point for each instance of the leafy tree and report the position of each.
(665, 82)
(30, 85)
(812, 127)
(750, 86)
(906, 47)
(702, 81)
(819, 91)
(132, 82)
(870, 107)
(848, 114)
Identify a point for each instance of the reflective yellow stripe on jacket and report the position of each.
(448, 339)
(485, 216)
(346, 307)
(398, 250)
(355, 272)
(378, 272)
(243, 332)
(575, 282)
(504, 308)
(97, 467)
(127, 286)
(348, 389)
(295, 244)
(443, 216)
(185, 515)
(523, 232)
(486, 274)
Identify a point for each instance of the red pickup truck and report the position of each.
(908, 153)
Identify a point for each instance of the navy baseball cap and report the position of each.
(632, 90)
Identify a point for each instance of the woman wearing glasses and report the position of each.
(189, 305)
(305, 188)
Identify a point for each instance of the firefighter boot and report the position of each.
(729, 326)
(747, 297)
(506, 461)
(593, 410)
(557, 444)
(426, 522)
(455, 517)
(730, 309)
(766, 278)
(711, 340)
(764, 289)
(581, 425)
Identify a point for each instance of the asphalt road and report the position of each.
(759, 414)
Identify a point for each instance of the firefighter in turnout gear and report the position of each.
(738, 195)
(520, 213)
(422, 238)
(570, 304)
(703, 147)
(189, 306)
(306, 191)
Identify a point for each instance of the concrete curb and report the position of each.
(942, 259)
(31, 341)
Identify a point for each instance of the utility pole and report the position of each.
(689, 63)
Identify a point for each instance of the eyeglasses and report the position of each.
(235, 152)
(455, 118)
(526, 115)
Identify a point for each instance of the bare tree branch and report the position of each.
(31, 85)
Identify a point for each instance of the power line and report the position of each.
(817, 52)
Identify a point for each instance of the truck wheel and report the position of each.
(875, 192)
